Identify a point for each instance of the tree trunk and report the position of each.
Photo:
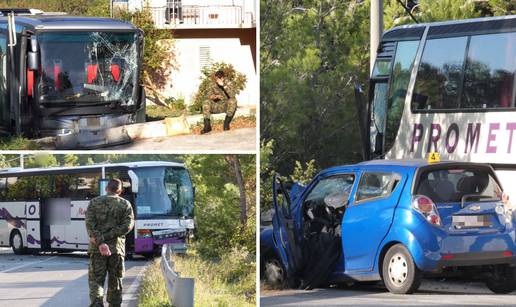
(234, 163)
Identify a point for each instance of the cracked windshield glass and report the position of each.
(88, 67)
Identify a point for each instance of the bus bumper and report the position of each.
(149, 245)
(88, 132)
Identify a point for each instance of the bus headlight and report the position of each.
(144, 233)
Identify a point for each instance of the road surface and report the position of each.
(233, 140)
(431, 293)
(56, 280)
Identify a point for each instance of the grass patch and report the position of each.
(227, 282)
(153, 291)
(236, 123)
(230, 281)
(154, 112)
(17, 143)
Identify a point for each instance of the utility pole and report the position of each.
(376, 30)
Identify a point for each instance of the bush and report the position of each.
(237, 80)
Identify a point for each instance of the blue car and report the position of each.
(391, 220)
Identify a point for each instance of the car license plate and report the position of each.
(168, 233)
(471, 221)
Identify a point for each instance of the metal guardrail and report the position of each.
(180, 289)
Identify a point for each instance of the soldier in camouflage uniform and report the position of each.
(220, 98)
(108, 219)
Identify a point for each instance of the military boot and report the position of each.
(207, 126)
(227, 121)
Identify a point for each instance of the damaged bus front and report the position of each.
(74, 78)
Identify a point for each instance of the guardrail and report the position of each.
(180, 289)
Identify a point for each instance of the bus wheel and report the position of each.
(400, 273)
(16, 243)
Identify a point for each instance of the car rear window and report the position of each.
(451, 185)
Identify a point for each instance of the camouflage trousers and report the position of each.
(99, 266)
(214, 107)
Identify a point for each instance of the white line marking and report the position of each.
(27, 264)
(132, 291)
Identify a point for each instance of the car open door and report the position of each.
(284, 231)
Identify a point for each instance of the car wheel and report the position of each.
(16, 243)
(400, 273)
(503, 280)
(273, 272)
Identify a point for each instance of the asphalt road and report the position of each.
(233, 140)
(56, 280)
(431, 293)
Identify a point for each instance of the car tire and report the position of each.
(273, 272)
(503, 280)
(16, 243)
(400, 273)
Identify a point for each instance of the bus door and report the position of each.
(5, 108)
(56, 218)
(378, 94)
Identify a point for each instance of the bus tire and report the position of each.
(16, 243)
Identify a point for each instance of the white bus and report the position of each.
(446, 87)
(44, 209)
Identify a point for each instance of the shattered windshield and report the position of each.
(88, 67)
(164, 192)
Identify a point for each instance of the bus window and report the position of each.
(439, 74)
(489, 73)
(401, 70)
(87, 186)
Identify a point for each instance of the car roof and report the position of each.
(67, 22)
(408, 164)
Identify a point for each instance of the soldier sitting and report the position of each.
(220, 98)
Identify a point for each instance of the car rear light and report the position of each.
(447, 257)
(144, 233)
(427, 208)
(507, 254)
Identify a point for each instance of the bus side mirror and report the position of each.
(102, 186)
(32, 60)
(378, 143)
(134, 181)
(32, 55)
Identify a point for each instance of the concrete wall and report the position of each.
(236, 47)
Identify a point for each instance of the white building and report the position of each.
(206, 32)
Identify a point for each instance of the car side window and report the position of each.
(332, 191)
(376, 185)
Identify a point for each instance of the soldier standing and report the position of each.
(220, 98)
(108, 219)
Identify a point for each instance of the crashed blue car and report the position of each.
(391, 220)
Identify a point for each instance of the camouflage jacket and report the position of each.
(108, 219)
(225, 91)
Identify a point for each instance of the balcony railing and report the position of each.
(175, 15)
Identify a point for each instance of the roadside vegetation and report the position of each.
(17, 143)
(222, 257)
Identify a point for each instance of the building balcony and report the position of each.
(174, 15)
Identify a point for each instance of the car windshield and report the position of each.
(164, 191)
(451, 185)
(88, 67)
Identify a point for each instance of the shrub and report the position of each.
(235, 78)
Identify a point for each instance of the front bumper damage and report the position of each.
(88, 132)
